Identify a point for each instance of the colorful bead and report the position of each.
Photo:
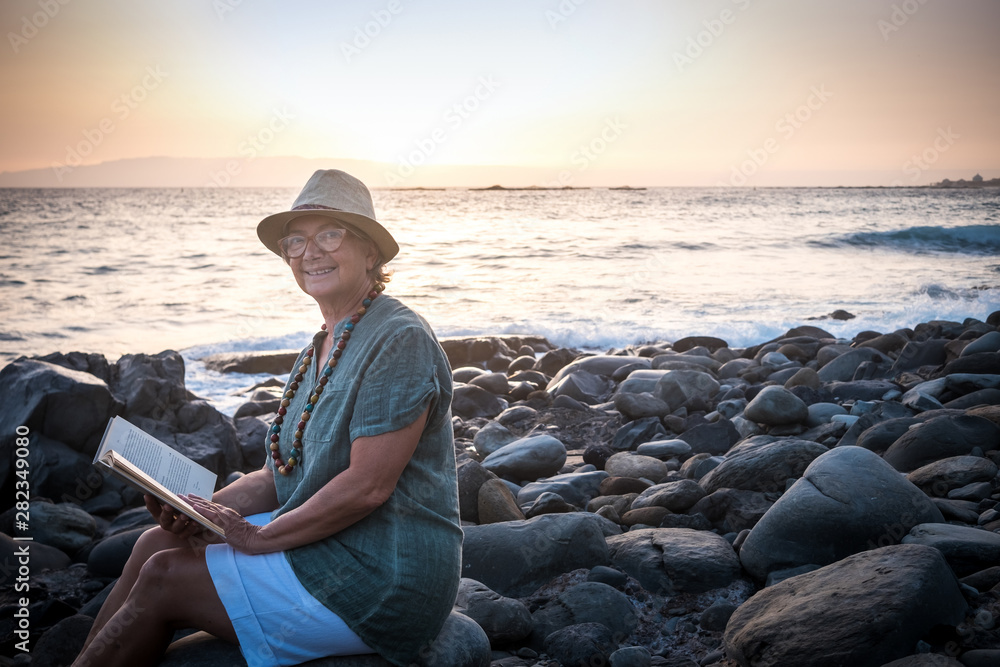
(296, 456)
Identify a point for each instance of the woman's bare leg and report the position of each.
(173, 589)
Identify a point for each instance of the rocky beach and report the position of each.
(807, 500)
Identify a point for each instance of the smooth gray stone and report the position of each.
(863, 611)
(464, 374)
(582, 386)
(492, 437)
(602, 364)
(820, 413)
(42, 557)
(504, 620)
(587, 602)
(713, 438)
(64, 526)
(547, 503)
(841, 369)
(640, 405)
(576, 488)
(847, 500)
(775, 406)
(495, 383)
(675, 496)
(989, 342)
(670, 560)
(676, 388)
(763, 468)
(581, 644)
(516, 557)
(631, 656)
(527, 458)
(941, 437)
(664, 449)
(471, 477)
(628, 464)
(469, 401)
(967, 550)
(941, 477)
(108, 557)
(640, 381)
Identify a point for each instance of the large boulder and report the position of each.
(733, 510)
(470, 401)
(527, 458)
(64, 526)
(670, 560)
(675, 496)
(843, 367)
(503, 619)
(966, 549)
(862, 611)
(764, 467)
(587, 602)
(676, 388)
(776, 406)
(940, 477)
(941, 437)
(576, 488)
(847, 500)
(516, 557)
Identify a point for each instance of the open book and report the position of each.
(144, 462)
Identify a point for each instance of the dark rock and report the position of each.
(628, 464)
(880, 436)
(42, 557)
(669, 560)
(64, 526)
(986, 363)
(639, 406)
(276, 362)
(527, 458)
(847, 500)
(62, 473)
(967, 550)
(713, 344)
(941, 437)
(471, 476)
(466, 373)
(608, 575)
(569, 403)
(763, 468)
(920, 353)
(516, 557)
(517, 416)
(699, 465)
(575, 488)
(504, 620)
(692, 521)
(597, 455)
(637, 432)
(587, 602)
(940, 477)
(469, 401)
(631, 656)
(677, 388)
(62, 642)
(496, 503)
(843, 367)
(252, 434)
(713, 438)
(645, 516)
(108, 557)
(733, 510)
(581, 386)
(863, 611)
(581, 645)
(981, 657)
(674, 496)
(774, 406)
(257, 408)
(861, 390)
(616, 486)
(886, 343)
(554, 361)
(988, 396)
(547, 503)
(983, 580)
(716, 616)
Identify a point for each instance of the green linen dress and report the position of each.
(392, 576)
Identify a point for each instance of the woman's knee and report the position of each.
(153, 541)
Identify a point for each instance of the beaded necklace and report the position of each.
(296, 456)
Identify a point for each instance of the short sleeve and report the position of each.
(398, 384)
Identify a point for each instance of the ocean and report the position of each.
(120, 271)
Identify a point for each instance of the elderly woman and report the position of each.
(347, 541)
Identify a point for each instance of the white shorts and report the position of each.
(277, 621)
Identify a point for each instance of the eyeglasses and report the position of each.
(328, 240)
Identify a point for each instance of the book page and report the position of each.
(166, 466)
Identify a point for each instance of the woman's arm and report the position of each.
(376, 464)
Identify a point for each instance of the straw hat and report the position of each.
(334, 194)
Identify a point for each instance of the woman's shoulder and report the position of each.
(394, 317)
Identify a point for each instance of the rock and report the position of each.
(847, 500)
(64, 526)
(587, 602)
(664, 449)
(669, 560)
(974, 492)
(716, 616)
(711, 438)
(775, 406)
(522, 363)
(644, 516)
(575, 488)
(638, 406)
(763, 468)
(674, 496)
(863, 611)
(638, 381)
(581, 386)
(627, 464)
(461, 643)
(61, 473)
(275, 362)
(518, 415)
(252, 433)
(257, 408)
(495, 383)
(615, 486)
(465, 374)
(597, 455)
(733, 510)
(471, 476)
(886, 343)
(62, 642)
(982, 362)
(42, 557)
(108, 557)
(581, 645)
(698, 465)
(676, 388)
(861, 390)
(516, 557)
(69, 406)
(527, 458)
(941, 437)
(609, 575)
(553, 361)
(504, 620)
(603, 365)
(804, 377)
(496, 503)
(820, 413)
(989, 342)
(637, 432)
(492, 437)
(940, 477)
(843, 367)
(631, 656)
(966, 549)
(920, 353)
(988, 396)
(547, 503)
(879, 437)
(470, 401)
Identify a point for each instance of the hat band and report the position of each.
(307, 207)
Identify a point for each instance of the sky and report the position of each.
(564, 92)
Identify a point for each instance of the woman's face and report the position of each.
(337, 275)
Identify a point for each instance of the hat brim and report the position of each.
(272, 229)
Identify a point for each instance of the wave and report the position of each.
(970, 240)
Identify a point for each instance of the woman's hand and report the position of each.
(240, 533)
(170, 519)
